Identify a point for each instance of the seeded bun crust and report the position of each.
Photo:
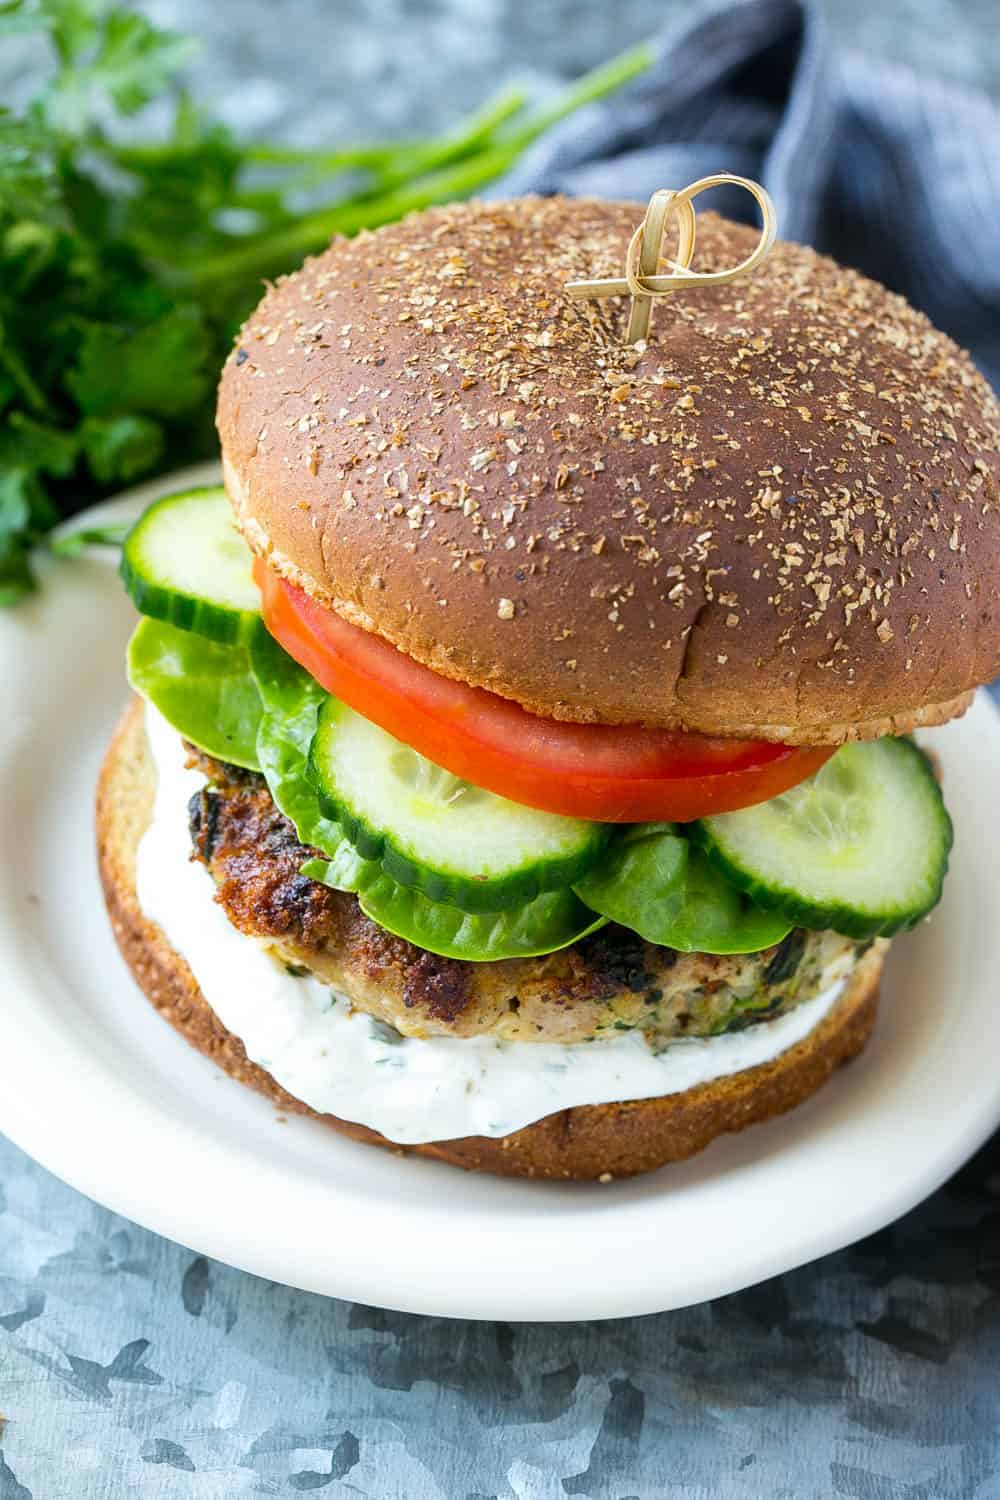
(586, 1142)
(780, 517)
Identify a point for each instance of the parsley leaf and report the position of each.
(160, 370)
(19, 500)
(110, 56)
(36, 447)
(121, 448)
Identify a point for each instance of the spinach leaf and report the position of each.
(205, 690)
(656, 882)
(550, 922)
(291, 702)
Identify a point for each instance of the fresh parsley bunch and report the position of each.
(126, 264)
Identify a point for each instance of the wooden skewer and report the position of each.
(642, 280)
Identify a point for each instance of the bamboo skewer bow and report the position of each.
(643, 280)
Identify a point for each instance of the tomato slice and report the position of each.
(608, 773)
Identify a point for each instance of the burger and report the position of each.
(520, 770)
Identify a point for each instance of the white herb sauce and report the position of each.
(342, 1062)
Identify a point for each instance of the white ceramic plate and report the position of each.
(107, 1096)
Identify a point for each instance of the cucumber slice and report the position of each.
(861, 847)
(454, 842)
(185, 562)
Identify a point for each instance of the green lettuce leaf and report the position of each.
(206, 691)
(662, 887)
(291, 701)
(553, 920)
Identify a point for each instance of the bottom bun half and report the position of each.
(586, 1142)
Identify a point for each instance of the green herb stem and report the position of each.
(74, 542)
(365, 211)
(384, 204)
(588, 89)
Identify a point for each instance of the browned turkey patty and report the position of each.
(610, 981)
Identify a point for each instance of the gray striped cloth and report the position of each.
(896, 174)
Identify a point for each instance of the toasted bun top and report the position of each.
(780, 516)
